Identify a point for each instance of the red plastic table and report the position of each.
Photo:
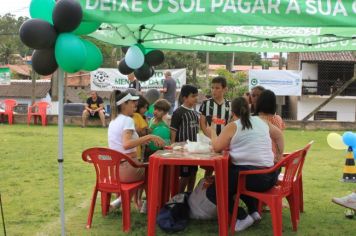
(163, 171)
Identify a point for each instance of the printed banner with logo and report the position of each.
(5, 76)
(281, 82)
(107, 79)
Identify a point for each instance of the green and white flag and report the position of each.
(227, 25)
(5, 76)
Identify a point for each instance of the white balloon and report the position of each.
(134, 57)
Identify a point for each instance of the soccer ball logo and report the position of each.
(100, 79)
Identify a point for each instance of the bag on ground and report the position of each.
(200, 206)
(174, 216)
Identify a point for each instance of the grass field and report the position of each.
(29, 186)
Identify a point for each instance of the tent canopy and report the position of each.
(226, 25)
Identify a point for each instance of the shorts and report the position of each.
(95, 115)
(187, 171)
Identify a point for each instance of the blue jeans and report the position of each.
(172, 108)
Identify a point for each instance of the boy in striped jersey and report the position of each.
(217, 107)
(185, 126)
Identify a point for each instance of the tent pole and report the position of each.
(60, 146)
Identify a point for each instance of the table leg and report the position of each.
(221, 198)
(225, 167)
(153, 188)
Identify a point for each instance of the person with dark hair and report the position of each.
(161, 108)
(122, 137)
(94, 108)
(255, 94)
(249, 141)
(185, 126)
(217, 107)
(266, 109)
(139, 118)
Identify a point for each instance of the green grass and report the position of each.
(29, 186)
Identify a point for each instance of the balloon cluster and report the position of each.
(140, 61)
(347, 140)
(53, 31)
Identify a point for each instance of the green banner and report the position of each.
(232, 38)
(292, 13)
(5, 76)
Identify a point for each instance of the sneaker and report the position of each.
(348, 201)
(243, 224)
(256, 216)
(115, 204)
(143, 209)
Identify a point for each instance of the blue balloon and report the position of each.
(134, 57)
(349, 139)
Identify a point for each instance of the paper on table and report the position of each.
(197, 147)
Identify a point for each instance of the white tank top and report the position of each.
(252, 146)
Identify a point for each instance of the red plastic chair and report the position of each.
(9, 105)
(297, 186)
(107, 162)
(273, 197)
(39, 109)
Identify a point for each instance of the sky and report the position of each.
(15, 7)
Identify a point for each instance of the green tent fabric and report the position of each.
(226, 25)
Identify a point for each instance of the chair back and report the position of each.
(41, 107)
(291, 164)
(9, 105)
(300, 168)
(107, 166)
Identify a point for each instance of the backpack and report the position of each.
(174, 216)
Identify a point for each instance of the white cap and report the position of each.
(128, 97)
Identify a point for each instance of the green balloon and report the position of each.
(94, 57)
(147, 50)
(86, 27)
(42, 9)
(70, 52)
(141, 47)
(162, 132)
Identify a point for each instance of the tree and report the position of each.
(224, 58)
(236, 83)
(10, 42)
(179, 59)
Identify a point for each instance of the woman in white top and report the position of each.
(249, 140)
(123, 137)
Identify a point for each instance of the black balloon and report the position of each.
(44, 61)
(143, 73)
(67, 15)
(38, 34)
(154, 58)
(124, 69)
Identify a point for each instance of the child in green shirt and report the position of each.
(158, 126)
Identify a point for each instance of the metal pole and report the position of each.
(2, 216)
(60, 146)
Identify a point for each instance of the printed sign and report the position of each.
(5, 76)
(281, 82)
(107, 79)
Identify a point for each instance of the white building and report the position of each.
(320, 71)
